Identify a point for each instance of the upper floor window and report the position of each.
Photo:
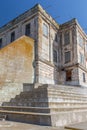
(0, 42)
(60, 38)
(84, 77)
(12, 36)
(45, 30)
(27, 30)
(81, 58)
(67, 57)
(66, 38)
(80, 40)
(55, 56)
(56, 37)
(86, 46)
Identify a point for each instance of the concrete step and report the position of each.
(26, 109)
(48, 100)
(75, 89)
(44, 104)
(51, 96)
(43, 109)
(38, 94)
(28, 117)
(53, 119)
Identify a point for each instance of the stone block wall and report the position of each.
(81, 82)
(46, 73)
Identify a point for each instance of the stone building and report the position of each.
(60, 51)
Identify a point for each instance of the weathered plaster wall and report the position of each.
(16, 61)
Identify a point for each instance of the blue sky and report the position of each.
(61, 10)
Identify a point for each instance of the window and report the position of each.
(86, 46)
(73, 35)
(0, 42)
(60, 38)
(55, 56)
(66, 38)
(69, 75)
(80, 40)
(45, 30)
(81, 58)
(27, 30)
(84, 77)
(67, 56)
(56, 38)
(12, 36)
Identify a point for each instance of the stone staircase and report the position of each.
(48, 105)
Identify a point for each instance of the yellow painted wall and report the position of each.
(16, 61)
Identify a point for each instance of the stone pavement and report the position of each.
(8, 125)
(79, 126)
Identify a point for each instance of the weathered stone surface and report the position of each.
(16, 61)
(48, 105)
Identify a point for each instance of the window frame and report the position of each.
(12, 36)
(69, 59)
(66, 38)
(45, 30)
(28, 29)
(69, 75)
(56, 37)
(82, 58)
(0, 43)
(55, 56)
(81, 41)
(84, 79)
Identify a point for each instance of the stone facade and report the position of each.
(60, 50)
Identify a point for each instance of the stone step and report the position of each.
(44, 104)
(72, 89)
(28, 117)
(66, 96)
(39, 94)
(53, 119)
(66, 92)
(43, 109)
(52, 95)
(26, 109)
(59, 99)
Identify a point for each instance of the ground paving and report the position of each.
(79, 126)
(8, 125)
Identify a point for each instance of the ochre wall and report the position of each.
(16, 61)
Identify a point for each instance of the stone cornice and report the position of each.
(31, 12)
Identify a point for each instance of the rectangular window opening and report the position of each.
(55, 56)
(12, 36)
(67, 57)
(45, 30)
(27, 30)
(84, 77)
(0, 42)
(66, 38)
(69, 75)
(56, 38)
